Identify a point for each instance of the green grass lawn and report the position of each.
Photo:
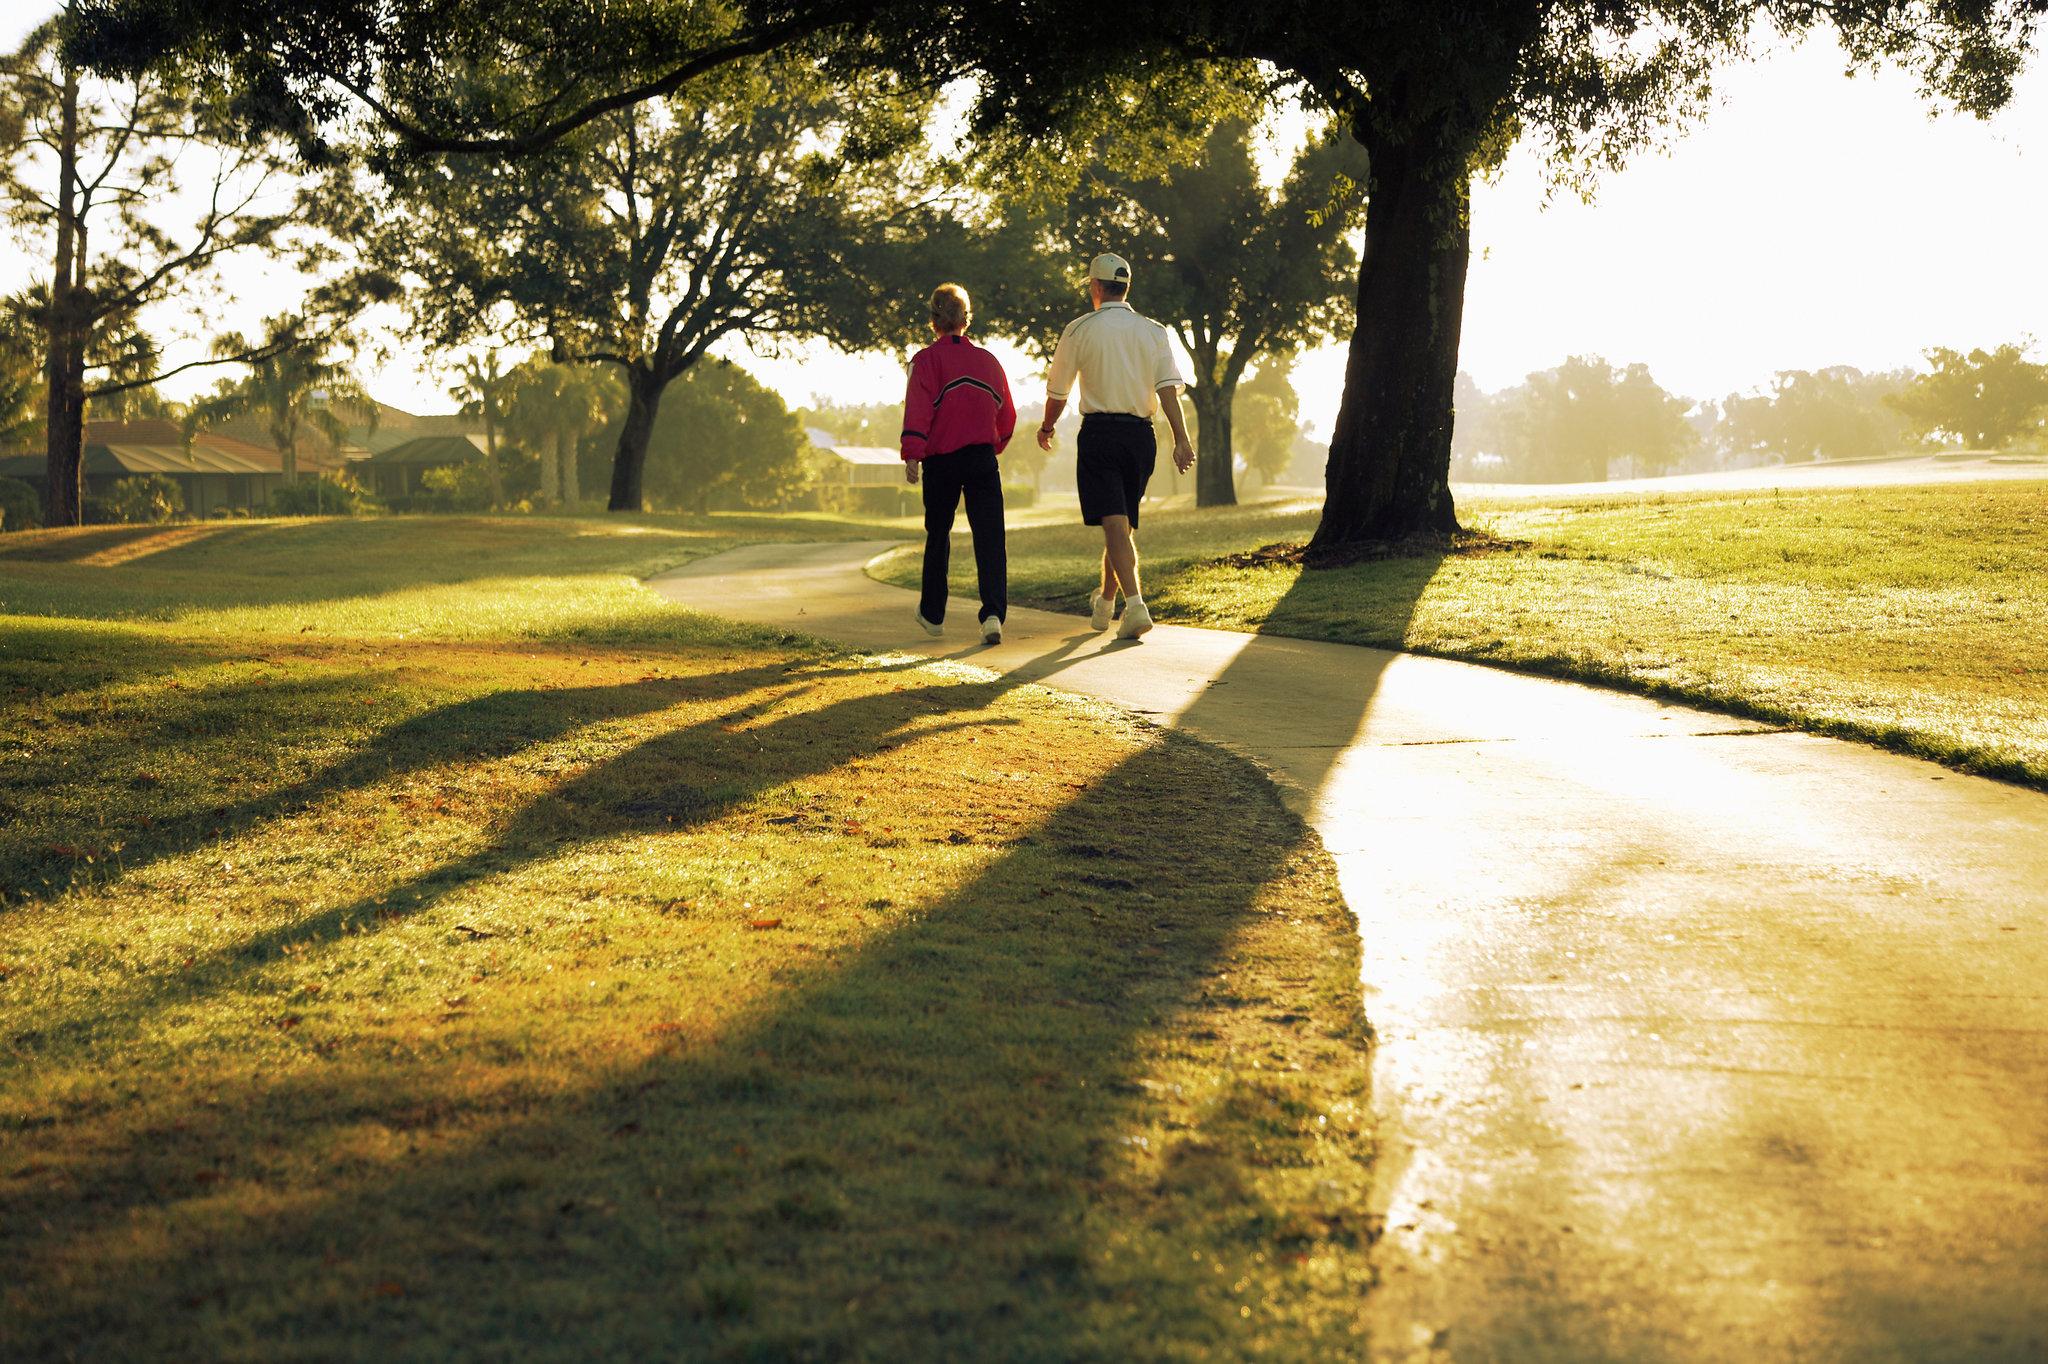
(1912, 617)
(420, 941)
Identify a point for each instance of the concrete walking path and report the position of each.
(1696, 1040)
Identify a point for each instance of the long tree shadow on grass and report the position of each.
(173, 732)
(989, 1133)
(962, 1140)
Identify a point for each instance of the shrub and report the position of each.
(1019, 494)
(145, 499)
(322, 495)
(458, 487)
(20, 508)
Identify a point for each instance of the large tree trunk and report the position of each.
(1390, 455)
(1215, 471)
(565, 462)
(64, 356)
(629, 462)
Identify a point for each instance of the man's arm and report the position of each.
(1053, 408)
(1183, 448)
(1059, 381)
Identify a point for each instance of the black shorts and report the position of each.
(1113, 459)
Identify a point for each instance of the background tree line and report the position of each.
(1586, 420)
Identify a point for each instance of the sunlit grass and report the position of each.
(489, 961)
(1912, 617)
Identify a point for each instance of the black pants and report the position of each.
(970, 471)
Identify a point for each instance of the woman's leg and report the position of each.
(941, 490)
(983, 484)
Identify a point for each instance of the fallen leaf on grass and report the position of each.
(475, 932)
(764, 923)
(390, 1288)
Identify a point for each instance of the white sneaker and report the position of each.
(1099, 608)
(992, 631)
(929, 628)
(1137, 620)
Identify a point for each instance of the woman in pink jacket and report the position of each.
(957, 418)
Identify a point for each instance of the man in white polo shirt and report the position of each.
(1127, 372)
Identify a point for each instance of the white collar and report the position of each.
(1113, 303)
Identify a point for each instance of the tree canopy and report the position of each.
(1435, 93)
(764, 203)
(292, 385)
(722, 433)
(1572, 423)
(1235, 269)
(1986, 399)
(1834, 413)
(82, 167)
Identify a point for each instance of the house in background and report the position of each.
(396, 469)
(371, 428)
(857, 477)
(216, 473)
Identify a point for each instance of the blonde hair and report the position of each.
(951, 308)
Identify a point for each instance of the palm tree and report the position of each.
(293, 388)
(485, 392)
(553, 407)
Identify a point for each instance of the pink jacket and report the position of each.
(959, 396)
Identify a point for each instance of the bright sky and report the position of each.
(1812, 220)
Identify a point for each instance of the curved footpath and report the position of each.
(1696, 1040)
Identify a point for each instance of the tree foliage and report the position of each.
(723, 435)
(1834, 413)
(553, 409)
(485, 391)
(1573, 422)
(756, 207)
(293, 385)
(1985, 399)
(1266, 417)
(1237, 269)
(1434, 94)
(81, 181)
(21, 377)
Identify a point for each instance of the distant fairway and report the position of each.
(1913, 616)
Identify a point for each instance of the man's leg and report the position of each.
(984, 489)
(941, 498)
(1120, 557)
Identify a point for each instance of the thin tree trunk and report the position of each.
(1215, 471)
(565, 460)
(1390, 454)
(629, 462)
(491, 450)
(550, 479)
(64, 359)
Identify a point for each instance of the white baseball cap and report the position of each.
(1110, 269)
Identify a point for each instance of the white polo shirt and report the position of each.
(1121, 359)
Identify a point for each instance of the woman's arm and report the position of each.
(917, 409)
